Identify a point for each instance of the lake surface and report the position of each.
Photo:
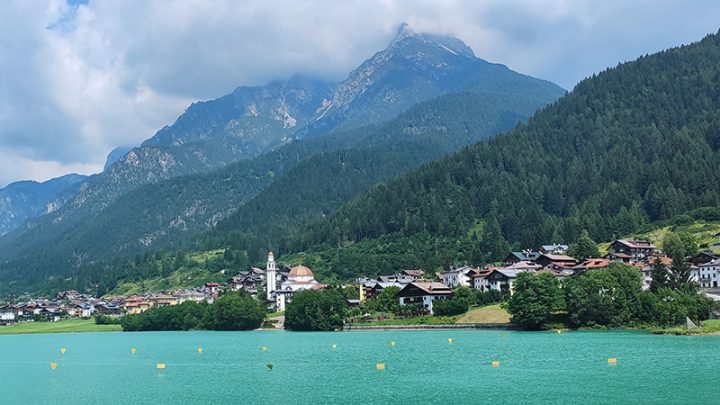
(423, 367)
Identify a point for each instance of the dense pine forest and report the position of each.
(636, 143)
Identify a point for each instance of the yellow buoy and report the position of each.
(160, 366)
(53, 366)
(450, 340)
(392, 344)
(380, 366)
(133, 350)
(200, 349)
(264, 348)
(495, 363)
(612, 360)
(558, 331)
(334, 346)
(62, 350)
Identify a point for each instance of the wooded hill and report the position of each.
(636, 143)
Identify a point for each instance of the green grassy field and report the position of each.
(488, 314)
(417, 320)
(711, 327)
(66, 326)
(703, 231)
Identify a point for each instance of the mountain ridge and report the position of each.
(26, 199)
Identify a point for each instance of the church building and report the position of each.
(280, 290)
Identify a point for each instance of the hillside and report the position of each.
(702, 224)
(322, 183)
(636, 143)
(208, 136)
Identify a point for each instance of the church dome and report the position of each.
(300, 271)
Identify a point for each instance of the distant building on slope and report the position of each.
(554, 249)
(637, 250)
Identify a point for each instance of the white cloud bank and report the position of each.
(75, 81)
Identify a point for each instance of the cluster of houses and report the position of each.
(278, 284)
(72, 304)
(66, 304)
(416, 288)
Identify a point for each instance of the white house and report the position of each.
(457, 277)
(8, 314)
(707, 275)
(502, 279)
(479, 279)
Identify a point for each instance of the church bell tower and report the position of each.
(270, 276)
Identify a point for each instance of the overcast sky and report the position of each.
(78, 79)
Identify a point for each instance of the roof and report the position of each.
(712, 263)
(637, 244)
(300, 271)
(510, 273)
(555, 246)
(664, 259)
(558, 258)
(523, 256)
(595, 263)
(523, 265)
(414, 273)
(477, 273)
(619, 255)
(430, 287)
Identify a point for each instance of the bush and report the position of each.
(682, 220)
(386, 301)
(706, 213)
(107, 320)
(316, 310)
(449, 307)
(186, 316)
(487, 298)
(235, 311)
(535, 299)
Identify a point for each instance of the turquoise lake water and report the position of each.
(423, 367)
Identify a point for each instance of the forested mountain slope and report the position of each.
(302, 181)
(635, 143)
(317, 186)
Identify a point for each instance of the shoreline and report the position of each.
(449, 326)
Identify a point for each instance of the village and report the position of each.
(277, 284)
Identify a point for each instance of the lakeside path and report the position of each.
(65, 326)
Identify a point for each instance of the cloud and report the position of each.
(77, 80)
(14, 167)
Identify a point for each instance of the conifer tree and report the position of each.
(660, 276)
(584, 247)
